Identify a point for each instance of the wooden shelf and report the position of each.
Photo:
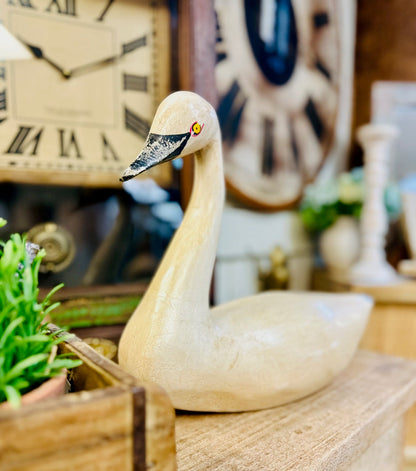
(354, 424)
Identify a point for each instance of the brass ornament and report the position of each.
(58, 243)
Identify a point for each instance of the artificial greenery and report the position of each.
(27, 353)
(323, 202)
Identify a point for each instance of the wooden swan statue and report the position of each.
(253, 353)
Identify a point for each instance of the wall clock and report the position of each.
(277, 76)
(79, 110)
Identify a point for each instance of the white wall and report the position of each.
(248, 236)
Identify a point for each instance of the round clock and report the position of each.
(79, 111)
(277, 76)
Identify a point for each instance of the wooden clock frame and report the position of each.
(192, 29)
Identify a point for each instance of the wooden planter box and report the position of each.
(108, 422)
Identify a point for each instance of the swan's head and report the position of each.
(183, 124)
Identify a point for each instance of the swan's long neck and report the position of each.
(181, 284)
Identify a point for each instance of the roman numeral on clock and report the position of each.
(137, 83)
(63, 7)
(3, 102)
(230, 111)
(268, 144)
(25, 140)
(68, 145)
(314, 119)
(108, 150)
(135, 123)
(22, 3)
(324, 71)
(220, 50)
(135, 44)
(320, 19)
(294, 145)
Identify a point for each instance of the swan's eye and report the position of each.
(196, 128)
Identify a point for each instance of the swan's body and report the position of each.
(249, 354)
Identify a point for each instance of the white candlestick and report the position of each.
(372, 267)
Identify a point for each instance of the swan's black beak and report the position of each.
(157, 149)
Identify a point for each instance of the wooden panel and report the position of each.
(326, 431)
(385, 49)
(196, 62)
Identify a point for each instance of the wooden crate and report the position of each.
(108, 422)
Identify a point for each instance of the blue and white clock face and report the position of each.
(277, 77)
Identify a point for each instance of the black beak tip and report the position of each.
(127, 175)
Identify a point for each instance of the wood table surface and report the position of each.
(332, 429)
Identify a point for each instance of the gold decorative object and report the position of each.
(58, 244)
(104, 347)
(277, 277)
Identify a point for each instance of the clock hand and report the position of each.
(126, 48)
(82, 69)
(38, 53)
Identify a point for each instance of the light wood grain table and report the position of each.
(392, 325)
(356, 423)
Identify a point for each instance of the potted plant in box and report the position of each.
(28, 355)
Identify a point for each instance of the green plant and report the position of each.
(323, 202)
(27, 353)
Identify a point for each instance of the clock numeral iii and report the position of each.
(63, 7)
(137, 83)
(68, 146)
(25, 140)
(136, 124)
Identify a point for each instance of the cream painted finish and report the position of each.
(252, 353)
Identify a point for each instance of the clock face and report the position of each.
(80, 110)
(277, 76)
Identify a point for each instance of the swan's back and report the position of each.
(280, 346)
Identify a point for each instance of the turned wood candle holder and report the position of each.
(372, 267)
